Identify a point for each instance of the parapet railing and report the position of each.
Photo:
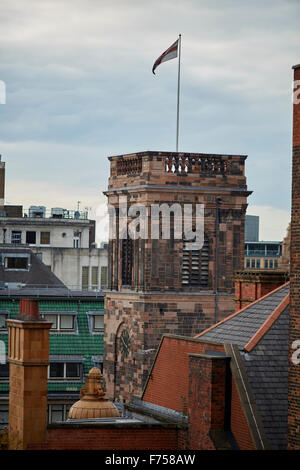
(203, 164)
(197, 164)
(129, 166)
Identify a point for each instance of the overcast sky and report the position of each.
(80, 88)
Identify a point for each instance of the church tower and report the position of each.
(164, 283)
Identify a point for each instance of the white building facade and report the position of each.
(64, 241)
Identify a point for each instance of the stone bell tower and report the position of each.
(160, 285)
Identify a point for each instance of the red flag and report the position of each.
(169, 54)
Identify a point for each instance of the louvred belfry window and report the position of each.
(127, 260)
(195, 266)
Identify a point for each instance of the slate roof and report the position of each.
(266, 361)
(38, 274)
(239, 329)
(267, 371)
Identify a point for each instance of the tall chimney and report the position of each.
(294, 340)
(28, 355)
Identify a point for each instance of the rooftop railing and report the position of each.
(47, 289)
(263, 254)
(55, 214)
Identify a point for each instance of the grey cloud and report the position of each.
(79, 83)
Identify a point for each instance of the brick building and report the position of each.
(225, 389)
(235, 385)
(263, 255)
(76, 343)
(294, 367)
(251, 285)
(159, 286)
(232, 382)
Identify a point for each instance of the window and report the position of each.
(127, 256)
(103, 277)
(266, 264)
(275, 263)
(3, 357)
(45, 238)
(271, 263)
(31, 238)
(73, 370)
(97, 361)
(96, 322)
(53, 319)
(3, 318)
(94, 277)
(247, 263)
(58, 412)
(85, 277)
(4, 371)
(61, 321)
(258, 263)
(16, 237)
(3, 416)
(16, 262)
(66, 322)
(57, 370)
(76, 240)
(195, 266)
(65, 370)
(253, 263)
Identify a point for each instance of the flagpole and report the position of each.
(178, 91)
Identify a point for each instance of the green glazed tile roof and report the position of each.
(81, 343)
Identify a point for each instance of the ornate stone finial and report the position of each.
(284, 260)
(92, 403)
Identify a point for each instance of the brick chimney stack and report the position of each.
(28, 355)
(294, 368)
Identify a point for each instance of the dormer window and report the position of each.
(96, 322)
(65, 322)
(16, 262)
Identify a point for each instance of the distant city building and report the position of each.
(64, 240)
(76, 342)
(51, 256)
(252, 228)
(262, 255)
(20, 267)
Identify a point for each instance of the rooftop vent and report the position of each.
(37, 211)
(58, 212)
